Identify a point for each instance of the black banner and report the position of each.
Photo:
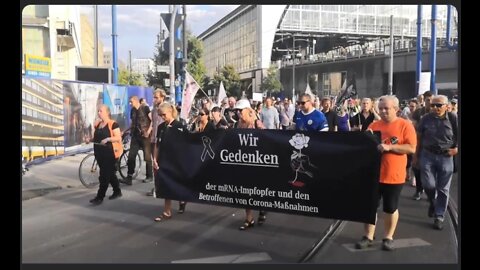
(324, 174)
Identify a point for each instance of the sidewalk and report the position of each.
(32, 188)
(51, 175)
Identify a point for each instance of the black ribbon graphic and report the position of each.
(207, 148)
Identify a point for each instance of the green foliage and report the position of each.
(231, 81)
(127, 78)
(156, 79)
(271, 83)
(195, 65)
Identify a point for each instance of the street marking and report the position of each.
(236, 258)
(398, 243)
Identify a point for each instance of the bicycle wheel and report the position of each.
(123, 165)
(89, 171)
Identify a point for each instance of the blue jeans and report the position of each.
(436, 174)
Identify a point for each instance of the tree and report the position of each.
(271, 84)
(231, 81)
(195, 65)
(160, 58)
(127, 78)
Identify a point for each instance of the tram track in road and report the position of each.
(336, 226)
(325, 237)
(453, 212)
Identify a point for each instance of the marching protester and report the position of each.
(247, 119)
(365, 117)
(217, 119)
(229, 111)
(108, 141)
(202, 123)
(329, 114)
(269, 115)
(415, 117)
(158, 98)
(398, 139)
(308, 118)
(141, 128)
(169, 114)
(437, 136)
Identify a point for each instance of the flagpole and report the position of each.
(198, 86)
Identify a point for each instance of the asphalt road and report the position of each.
(61, 226)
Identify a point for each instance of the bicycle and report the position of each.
(88, 171)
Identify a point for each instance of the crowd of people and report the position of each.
(418, 142)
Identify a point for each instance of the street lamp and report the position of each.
(293, 70)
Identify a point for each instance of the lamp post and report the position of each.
(294, 56)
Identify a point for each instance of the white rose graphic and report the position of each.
(299, 160)
(299, 141)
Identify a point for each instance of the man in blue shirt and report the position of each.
(308, 118)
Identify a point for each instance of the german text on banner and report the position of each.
(323, 174)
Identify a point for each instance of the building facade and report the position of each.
(54, 32)
(253, 37)
(88, 43)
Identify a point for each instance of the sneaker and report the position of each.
(127, 180)
(115, 195)
(148, 179)
(387, 244)
(417, 196)
(151, 192)
(96, 201)
(438, 224)
(364, 243)
(262, 217)
(431, 210)
(181, 207)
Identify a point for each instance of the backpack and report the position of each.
(117, 146)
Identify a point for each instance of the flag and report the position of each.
(308, 90)
(191, 88)
(221, 94)
(347, 91)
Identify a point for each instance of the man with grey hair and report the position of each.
(398, 139)
(437, 137)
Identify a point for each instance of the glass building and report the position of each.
(253, 37)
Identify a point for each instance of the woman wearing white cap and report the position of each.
(248, 119)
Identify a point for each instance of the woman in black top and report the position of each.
(104, 154)
(203, 123)
(217, 119)
(169, 114)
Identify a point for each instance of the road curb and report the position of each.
(32, 193)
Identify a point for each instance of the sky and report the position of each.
(139, 25)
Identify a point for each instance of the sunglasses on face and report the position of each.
(438, 105)
(302, 102)
(201, 114)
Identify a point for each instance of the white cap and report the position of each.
(242, 104)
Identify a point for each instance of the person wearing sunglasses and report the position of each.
(248, 120)
(308, 118)
(202, 123)
(437, 136)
